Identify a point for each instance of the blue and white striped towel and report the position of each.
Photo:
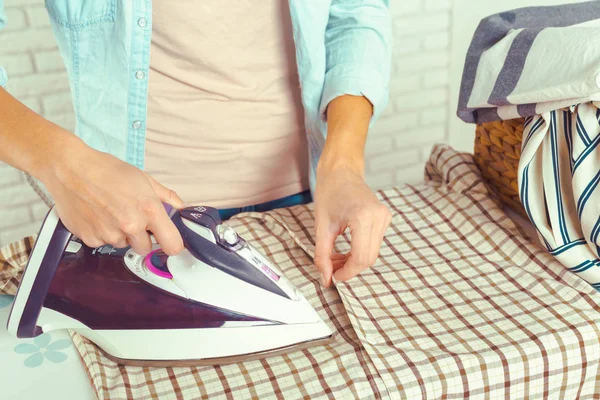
(532, 60)
(543, 63)
(559, 173)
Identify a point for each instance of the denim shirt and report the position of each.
(342, 47)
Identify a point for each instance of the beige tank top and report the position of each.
(225, 120)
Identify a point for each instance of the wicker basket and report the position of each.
(497, 153)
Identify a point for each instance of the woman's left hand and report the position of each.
(343, 200)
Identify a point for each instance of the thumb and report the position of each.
(325, 238)
(165, 194)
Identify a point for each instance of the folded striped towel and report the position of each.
(543, 63)
(530, 61)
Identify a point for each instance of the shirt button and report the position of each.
(140, 74)
(137, 125)
(142, 22)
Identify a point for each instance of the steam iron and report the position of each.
(218, 301)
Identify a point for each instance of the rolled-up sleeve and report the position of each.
(3, 77)
(358, 43)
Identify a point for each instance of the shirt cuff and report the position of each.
(342, 80)
(3, 78)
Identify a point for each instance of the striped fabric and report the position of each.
(531, 61)
(460, 304)
(559, 173)
(543, 63)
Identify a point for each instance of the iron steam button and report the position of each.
(229, 235)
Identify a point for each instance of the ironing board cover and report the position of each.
(460, 304)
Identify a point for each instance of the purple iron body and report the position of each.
(218, 299)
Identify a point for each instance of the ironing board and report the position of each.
(25, 373)
(461, 303)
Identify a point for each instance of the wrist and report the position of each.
(57, 153)
(332, 160)
(347, 127)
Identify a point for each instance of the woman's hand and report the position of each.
(343, 200)
(103, 200)
(99, 198)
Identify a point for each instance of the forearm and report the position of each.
(28, 141)
(348, 120)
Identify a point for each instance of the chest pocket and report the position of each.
(80, 14)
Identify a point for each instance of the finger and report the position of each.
(165, 194)
(82, 228)
(384, 225)
(112, 237)
(91, 240)
(338, 260)
(378, 233)
(361, 252)
(325, 238)
(109, 233)
(339, 256)
(387, 219)
(165, 232)
(140, 243)
(120, 243)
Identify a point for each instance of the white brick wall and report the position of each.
(417, 115)
(37, 77)
(397, 147)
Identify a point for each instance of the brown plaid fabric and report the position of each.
(460, 304)
(13, 259)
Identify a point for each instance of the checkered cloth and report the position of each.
(460, 304)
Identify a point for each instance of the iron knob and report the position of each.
(229, 235)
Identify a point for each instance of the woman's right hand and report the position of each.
(99, 198)
(103, 200)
